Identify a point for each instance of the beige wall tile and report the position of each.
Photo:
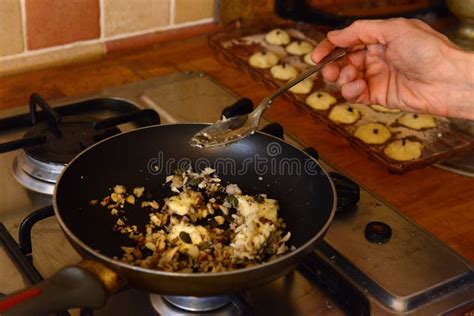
(11, 35)
(192, 10)
(59, 57)
(123, 16)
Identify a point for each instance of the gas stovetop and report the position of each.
(410, 272)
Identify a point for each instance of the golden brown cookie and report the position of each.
(417, 121)
(299, 48)
(403, 150)
(303, 87)
(263, 60)
(307, 59)
(373, 133)
(344, 113)
(320, 100)
(277, 37)
(383, 109)
(284, 72)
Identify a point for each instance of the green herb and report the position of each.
(185, 237)
(179, 172)
(195, 181)
(205, 245)
(259, 199)
(232, 200)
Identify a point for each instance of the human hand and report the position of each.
(400, 63)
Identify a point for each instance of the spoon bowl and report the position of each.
(228, 130)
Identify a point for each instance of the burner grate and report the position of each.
(57, 135)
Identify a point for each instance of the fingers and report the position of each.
(331, 72)
(362, 32)
(323, 48)
(347, 74)
(355, 91)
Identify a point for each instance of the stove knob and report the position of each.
(240, 107)
(378, 232)
(273, 129)
(348, 193)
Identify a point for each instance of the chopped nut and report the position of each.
(150, 246)
(138, 191)
(224, 209)
(152, 204)
(114, 211)
(131, 199)
(105, 201)
(93, 202)
(116, 197)
(120, 222)
(119, 189)
(219, 219)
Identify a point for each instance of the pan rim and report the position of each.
(194, 275)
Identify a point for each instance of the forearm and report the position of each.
(461, 100)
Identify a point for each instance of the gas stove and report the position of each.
(389, 267)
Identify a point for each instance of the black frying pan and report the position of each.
(144, 157)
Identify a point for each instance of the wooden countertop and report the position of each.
(441, 202)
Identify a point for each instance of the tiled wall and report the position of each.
(37, 33)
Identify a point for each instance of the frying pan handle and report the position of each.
(87, 284)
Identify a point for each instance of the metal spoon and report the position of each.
(229, 130)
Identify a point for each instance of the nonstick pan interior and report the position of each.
(258, 164)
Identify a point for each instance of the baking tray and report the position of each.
(236, 45)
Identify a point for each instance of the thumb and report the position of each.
(361, 32)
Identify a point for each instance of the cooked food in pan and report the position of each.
(205, 226)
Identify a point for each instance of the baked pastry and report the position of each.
(373, 133)
(320, 100)
(263, 60)
(303, 87)
(383, 109)
(284, 72)
(307, 59)
(344, 113)
(403, 150)
(417, 121)
(299, 48)
(277, 37)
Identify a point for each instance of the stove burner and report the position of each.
(60, 134)
(38, 167)
(188, 305)
(29, 171)
(66, 140)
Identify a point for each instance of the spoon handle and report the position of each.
(335, 54)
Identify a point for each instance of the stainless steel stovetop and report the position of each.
(411, 274)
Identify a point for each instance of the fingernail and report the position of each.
(334, 33)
